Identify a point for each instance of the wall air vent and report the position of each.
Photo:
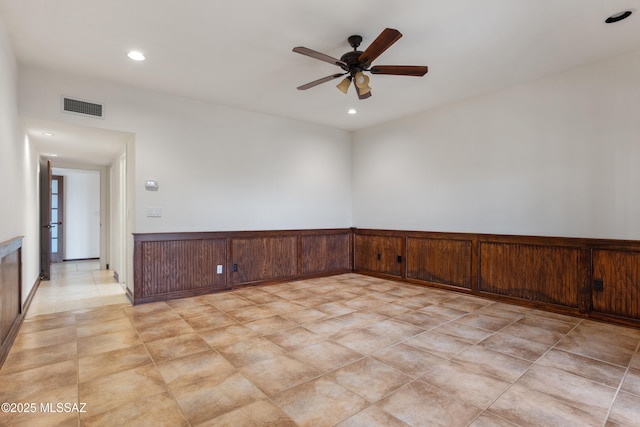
(83, 108)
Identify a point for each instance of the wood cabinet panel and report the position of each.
(325, 253)
(379, 254)
(441, 261)
(263, 258)
(619, 272)
(180, 265)
(548, 274)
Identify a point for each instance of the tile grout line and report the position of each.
(622, 380)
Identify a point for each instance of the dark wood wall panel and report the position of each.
(549, 274)
(619, 273)
(325, 253)
(379, 254)
(174, 266)
(263, 258)
(10, 293)
(447, 262)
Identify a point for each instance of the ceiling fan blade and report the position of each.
(320, 81)
(386, 38)
(400, 70)
(362, 96)
(317, 55)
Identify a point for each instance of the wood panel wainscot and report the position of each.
(592, 278)
(10, 293)
(175, 265)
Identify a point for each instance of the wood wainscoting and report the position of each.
(594, 278)
(10, 293)
(175, 265)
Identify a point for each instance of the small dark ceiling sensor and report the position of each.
(616, 17)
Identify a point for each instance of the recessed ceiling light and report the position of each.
(136, 55)
(617, 17)
(352, 111)
(50, 155)
(47, 134)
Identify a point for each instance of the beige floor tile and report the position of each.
(119, 324)
(600, 348)
(110, 362)
(169, 329)
(373, 416)
(571, 389)
(466, 384)
(107, 342)
(221, 337)
(527, 407)
(208, 399)
(269, 325)
(364, 341)
(27, 385)
(625, 410)
(532, 333)
(113, 391)
(210, 321)
(484, 321)
(421, 320)
(295, 338)
(280, 373)
(179, 346)
(468, 334)
(443, 311)
(440, 345)
(326, 355)
(410, 360)
(369, 379)
(420, 404)
(307, 315)
(45, 338)
(157, 410)
(594, 370)
(484, 360)
(319, 403)
(514, 346)
(631, 382)
(260, 413)
(194, 368)
(18, 361)
(489, 419)
(395, 329)
(249, 351)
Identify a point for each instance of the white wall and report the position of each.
(218, 168)
(81, 213)
(18, 172)
(557, 157)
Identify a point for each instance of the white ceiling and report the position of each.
(238, 53)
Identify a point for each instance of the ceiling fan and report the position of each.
(356, 63)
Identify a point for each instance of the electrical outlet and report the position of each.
(598, 285)
(219, 269)
(234, 267)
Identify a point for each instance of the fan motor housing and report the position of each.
(352, 61)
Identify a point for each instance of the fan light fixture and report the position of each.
(344, 85)
(362, 83)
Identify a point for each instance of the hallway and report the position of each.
(76, 285)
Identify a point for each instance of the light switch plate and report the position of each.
(154, 212)
(219, 269)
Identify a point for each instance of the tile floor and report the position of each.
(76, 285)
(345, 351)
